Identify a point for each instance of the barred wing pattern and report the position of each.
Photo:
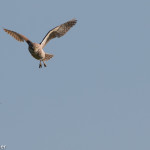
(17, 36)
(58, 31)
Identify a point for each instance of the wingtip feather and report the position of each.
(14, 35)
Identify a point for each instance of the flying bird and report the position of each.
(36, 49)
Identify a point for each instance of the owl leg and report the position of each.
(40, 65)
(44, 64)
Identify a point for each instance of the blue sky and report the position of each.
(95, 91)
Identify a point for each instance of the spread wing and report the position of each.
(58, 31)
(17, 36)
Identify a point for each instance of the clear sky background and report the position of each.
(94, 93)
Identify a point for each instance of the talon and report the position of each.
(40, 65)
(45, 65)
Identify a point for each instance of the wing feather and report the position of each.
(17, 36)
(58, 31)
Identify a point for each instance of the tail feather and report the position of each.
(47, 57)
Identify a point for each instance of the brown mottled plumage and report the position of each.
(36, 49)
